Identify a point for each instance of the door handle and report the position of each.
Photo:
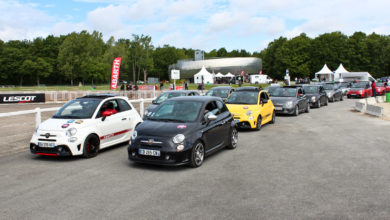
(124, 119)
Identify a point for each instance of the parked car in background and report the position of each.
(345, 87)
(333, 92)
(167, 95)
(290, 100)
(183, 130)
(361, 89)
(85, 125)
(260, 79)
(316, 95)
(251, 107)
(380, 88)
(220, 91)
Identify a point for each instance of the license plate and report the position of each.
(155, 153)
(237, 120)
(45, 144)
(279, 108)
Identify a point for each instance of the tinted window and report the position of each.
(285, 92)
(311, 89)
(168, 95)
(182, 111)
(123, 105)
(78, 109)
(245, 97)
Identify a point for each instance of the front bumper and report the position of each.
(355, 95)
(61, 144)
(60, 150)
(245, 122)
(284, 110)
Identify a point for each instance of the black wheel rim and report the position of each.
(91, 146)
(258, 122)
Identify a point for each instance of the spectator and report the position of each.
(161, 85)
(373, 86)
(186, 85)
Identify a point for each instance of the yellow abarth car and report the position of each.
(251, 107)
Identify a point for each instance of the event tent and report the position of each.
(203, 76)
(324, 73)
(219, 75)
(338, 72)
(229, 75)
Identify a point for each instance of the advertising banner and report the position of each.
(22, 98)
(116, 64)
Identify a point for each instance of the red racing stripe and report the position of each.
(45, 154)
(114, 134)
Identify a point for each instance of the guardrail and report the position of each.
(38, 111)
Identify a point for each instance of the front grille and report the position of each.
(236, 117)
(49, 140)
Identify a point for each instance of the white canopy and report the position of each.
(203, 76)
(324, 74)
(229, 75)
(219, 75)
(341, 69)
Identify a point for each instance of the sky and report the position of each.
(197, 24)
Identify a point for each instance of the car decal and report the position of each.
(181, 126)
(65, 126)
(114, 134)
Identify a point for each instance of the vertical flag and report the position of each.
(116, 64)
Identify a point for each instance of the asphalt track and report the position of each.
(332, 163)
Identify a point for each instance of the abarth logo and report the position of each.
(47, 135)
(150, 141)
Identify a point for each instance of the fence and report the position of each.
(38, 111)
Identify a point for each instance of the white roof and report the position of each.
(219, 75)
(229, 75)
(324, 70)
(203, 72)
(341, 69)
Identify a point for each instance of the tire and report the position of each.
(233, 139)
(296, 112)
(326, 102)
(341, 98)
(91, 146)
(332, 100)
(307, 108)
(319, 103)
(258, 123)
(273, 118)
(197, 155)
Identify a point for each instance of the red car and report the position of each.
(381, 88)
(360, 89)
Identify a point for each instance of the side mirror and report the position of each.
(211, 117)
(103, 118)
(154, 101)
(263, 101)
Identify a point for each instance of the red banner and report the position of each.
(116, 64)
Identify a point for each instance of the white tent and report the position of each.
(324, 73)
(229, 75)
(203, 76)
(338, 72)
(219, 75)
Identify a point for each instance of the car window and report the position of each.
(222, 107)
(243, 97)
(108, 105)
(123, 105)
(78, 109)
(285, 92)
(212, 108)
(178, 111)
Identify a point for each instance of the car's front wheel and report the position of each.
(233, 139)
(91, 146)
(258, 123)
(197, 154)
(296, 112)
(273, 118)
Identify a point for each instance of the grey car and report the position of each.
(220, 91)
(316, 95)
(167, 95)
(333, 92)
(290, 100)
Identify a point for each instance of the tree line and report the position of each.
(85, 57)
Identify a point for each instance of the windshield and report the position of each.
(177, 111)
(245, 97)
(344, 85)
(328, 86)
(223, 93)
(168, 95)
(379, 84)
(271, 89)
(285, 92)
(311, 89)
(359, 85)
(78, 109)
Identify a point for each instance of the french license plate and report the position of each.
(237, 120)
(155, 153)
(279, 108)
(46, 144)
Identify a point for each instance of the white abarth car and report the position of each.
(85, 125)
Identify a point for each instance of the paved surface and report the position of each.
(332, 163)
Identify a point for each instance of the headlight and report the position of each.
(178, 138)
(249, 112)
(134, 136)
(289, 104)
(71, 132)
(328, 94)
(313, 99)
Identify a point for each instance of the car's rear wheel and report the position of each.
(197, 154)
(233, 139)
(273, 118)
(296, 112)
(91, 146)
(258, 123)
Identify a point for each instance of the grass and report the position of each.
(107, 87)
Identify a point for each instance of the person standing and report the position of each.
(373, 86)
(186, 85)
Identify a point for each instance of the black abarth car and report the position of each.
(316, 95)
(183, 130)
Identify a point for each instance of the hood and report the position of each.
(357, 89)
(238, 109)
(282, 100)
(165, 129)
(56, 124)
(151, 107)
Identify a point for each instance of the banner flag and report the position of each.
(116, 64)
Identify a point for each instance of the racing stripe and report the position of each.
(114, 134)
